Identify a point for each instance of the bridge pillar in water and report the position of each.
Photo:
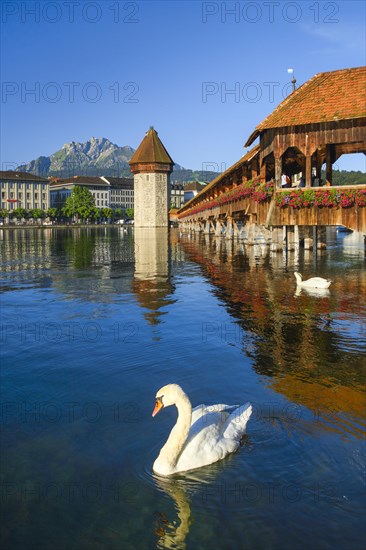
(320, 235)
(207, 228)
(266, 233)
(218, 230)
(237, 231)
(291, 238)
(307, 234)
(229, 230)
(277, 239)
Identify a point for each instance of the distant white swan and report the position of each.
(314, 282)
(316, 292)
(200, 436)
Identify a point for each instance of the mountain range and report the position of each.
(98, 157)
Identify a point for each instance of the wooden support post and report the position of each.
(277, 239)
(308, 171)
(318, 166)
(229, 228)
(236, 230)
(207, 227)
(278, 170)
(218, 230)
(263, 173)
(328, 160)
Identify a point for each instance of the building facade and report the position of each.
(108, 192)
(60, 190)
(121, 192)
(191, 189)
(23, 190)
(176, 195)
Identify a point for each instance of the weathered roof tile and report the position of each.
(151, 150)
(335, 95)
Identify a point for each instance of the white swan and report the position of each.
(200, 436)
(314, 282)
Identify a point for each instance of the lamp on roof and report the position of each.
(293, 81)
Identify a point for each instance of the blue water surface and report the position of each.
(96, 320)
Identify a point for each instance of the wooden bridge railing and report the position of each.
(322, 206)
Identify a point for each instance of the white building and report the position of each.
(60, 190)
(23, 190)
(121, 192)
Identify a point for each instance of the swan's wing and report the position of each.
(318, 280)
(215, 432)
(203, 410)
(237, 421)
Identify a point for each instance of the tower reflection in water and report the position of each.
(151, 284)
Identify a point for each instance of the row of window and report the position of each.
(28, 206)
(20, 185)
(19, 195)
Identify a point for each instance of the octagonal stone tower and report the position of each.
(151, 165)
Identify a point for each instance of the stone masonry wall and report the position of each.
(152, 199)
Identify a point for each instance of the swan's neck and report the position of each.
(172, 449)
(298, 278)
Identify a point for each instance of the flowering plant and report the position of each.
(360, 197)
(326, 198)
(251, 189)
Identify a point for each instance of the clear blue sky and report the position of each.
(112, 69)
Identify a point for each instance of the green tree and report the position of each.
(118, 213)
(80, 203)
(107, 213)
(95, 213)
(4, 213)
(130, 212)
(37, 213)
(19, 213)
(52, 213)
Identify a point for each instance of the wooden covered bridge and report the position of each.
(320, 121)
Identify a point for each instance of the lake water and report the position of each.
(96, 320)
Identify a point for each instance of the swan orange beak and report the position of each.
(158, 406)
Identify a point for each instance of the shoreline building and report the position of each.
(61, 189)
(23, 190)
(176, 195)
(108, 192)
(192, 188)
(151, 165)
(121, 192)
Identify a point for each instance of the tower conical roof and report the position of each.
(151, 150)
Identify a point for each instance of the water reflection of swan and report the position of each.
(200, 436)
(314, 282)
(171, 535)
(180, 489)
(316, 292)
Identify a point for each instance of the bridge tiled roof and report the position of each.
(246, 158)
(327, 97)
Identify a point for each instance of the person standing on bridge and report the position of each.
(285, 181)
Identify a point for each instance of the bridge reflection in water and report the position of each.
(309, 347)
